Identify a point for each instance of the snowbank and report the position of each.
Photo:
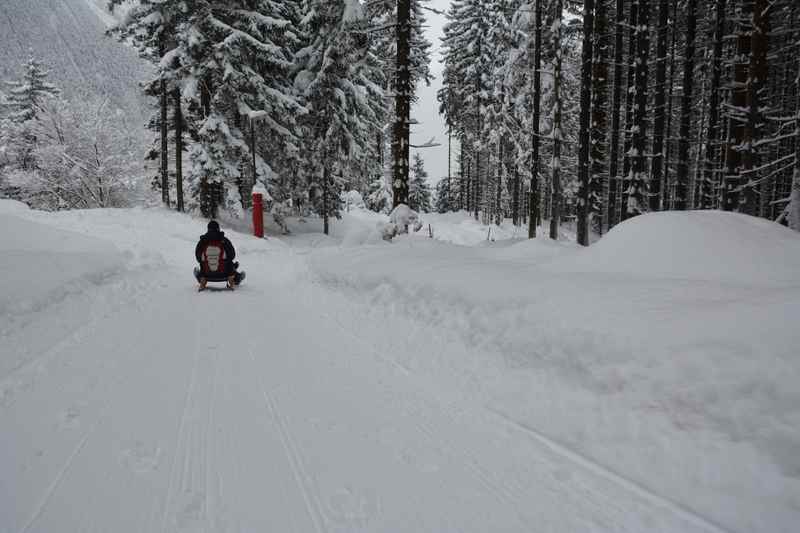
(462, 228)
(41, 264)
(667, 352)
(360, 226)
(700, 245)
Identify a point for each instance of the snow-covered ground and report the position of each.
(648, 383)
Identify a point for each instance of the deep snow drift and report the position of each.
(666, 351)
(358, 385)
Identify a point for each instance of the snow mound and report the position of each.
(461, 228)
(696, 245)
(12, 206)
(353, 199)
(537, 250)
(404, 217)
(41, 264)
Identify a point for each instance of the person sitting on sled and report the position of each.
(215, 253)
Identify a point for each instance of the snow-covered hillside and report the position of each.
(68, 36)
(357, 385)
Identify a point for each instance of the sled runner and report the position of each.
(231, 281)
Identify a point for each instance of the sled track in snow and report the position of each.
(293, 455)
(51, 489)
(180, 437)
(47, 497)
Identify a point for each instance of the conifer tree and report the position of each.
(25, 97)
(419, 193)
(340, 82)
(235, 60)
(24, 103)
(152, 27)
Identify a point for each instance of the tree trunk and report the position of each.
(637, 188)
(534, 213)
(598, 185)
(448, 204)
(476, 202)
(794, 199)
(178, 149)
(555, 209)
(468, 188)
(738, 101)
(325, 210)
(164, 145)
(682, 176)
(585, 116)
(498, 203)
(403, 92)
(659, 122)
(616, 99)
(629, 103)
(462, 190)
(712, 134)
(515, 198)
(756, 80)
(667, 190)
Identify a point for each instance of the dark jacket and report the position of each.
(230, 253)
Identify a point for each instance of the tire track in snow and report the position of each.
(293, 455)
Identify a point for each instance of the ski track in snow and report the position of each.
(189, 425)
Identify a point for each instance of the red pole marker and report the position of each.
(258, 215)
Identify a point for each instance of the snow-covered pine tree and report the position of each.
(24, 97)
(467, 83)
(379, 196)
(234, 61)
(151, 26)
(442, 202)
(24, 103)
(340, 81)
(382, 16)
(503, 125)
(419, 191)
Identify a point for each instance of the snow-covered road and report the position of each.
(138, 404)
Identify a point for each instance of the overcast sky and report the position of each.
(426, 111)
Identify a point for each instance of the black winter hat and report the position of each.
(213, 226)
